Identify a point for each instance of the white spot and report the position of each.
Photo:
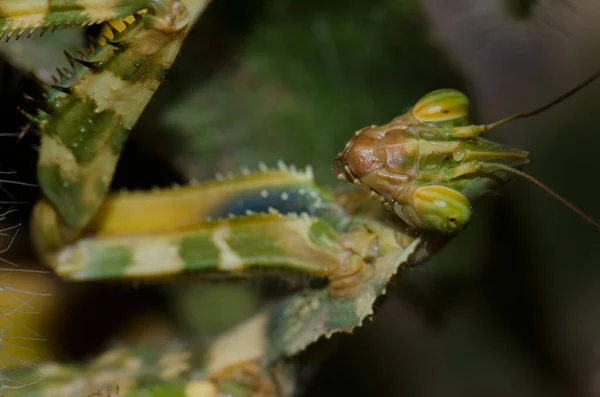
(264, 193)
(281, 165)
(440, 203)
(219, 177)
(285, 196)
(263, 167)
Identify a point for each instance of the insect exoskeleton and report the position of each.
(419, 168)
(442, 106)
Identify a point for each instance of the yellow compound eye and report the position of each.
(442, 105)
(441, 208)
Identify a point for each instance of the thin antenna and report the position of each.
(547, 106)
(543, 187)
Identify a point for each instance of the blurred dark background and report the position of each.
(510, 308)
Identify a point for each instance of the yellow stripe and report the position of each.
(169, 209)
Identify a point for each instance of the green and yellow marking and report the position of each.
(96, 106)
(18, 15)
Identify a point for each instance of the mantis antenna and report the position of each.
(528, 177)
(543, 187)
(547, 106)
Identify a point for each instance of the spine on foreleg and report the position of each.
(284, 190)
(90, 114)
(19, 16)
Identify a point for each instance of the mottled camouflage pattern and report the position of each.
(309, 243)
(171, 231)
(16, 16)
(174, 370)
(438, 157)
(254, 349)
(89, 110)
(231, 246)
(84, 127)
(277, 220)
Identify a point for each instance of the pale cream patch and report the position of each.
(99, 171)
(99, 11)
(195, 8)
(112, 356)
(153, 42)
(26, 13)
(71, 260)
(154, 257)
(127, 99)
(246, 342)
(228, 258)
(53, 152)
(201, 388)
(174, 364)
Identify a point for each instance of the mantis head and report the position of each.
(430, 165)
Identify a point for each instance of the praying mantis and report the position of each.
(418, 177)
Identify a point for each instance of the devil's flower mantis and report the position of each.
(418, 177)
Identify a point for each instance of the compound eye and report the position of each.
(442, 105)
(441, 208)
